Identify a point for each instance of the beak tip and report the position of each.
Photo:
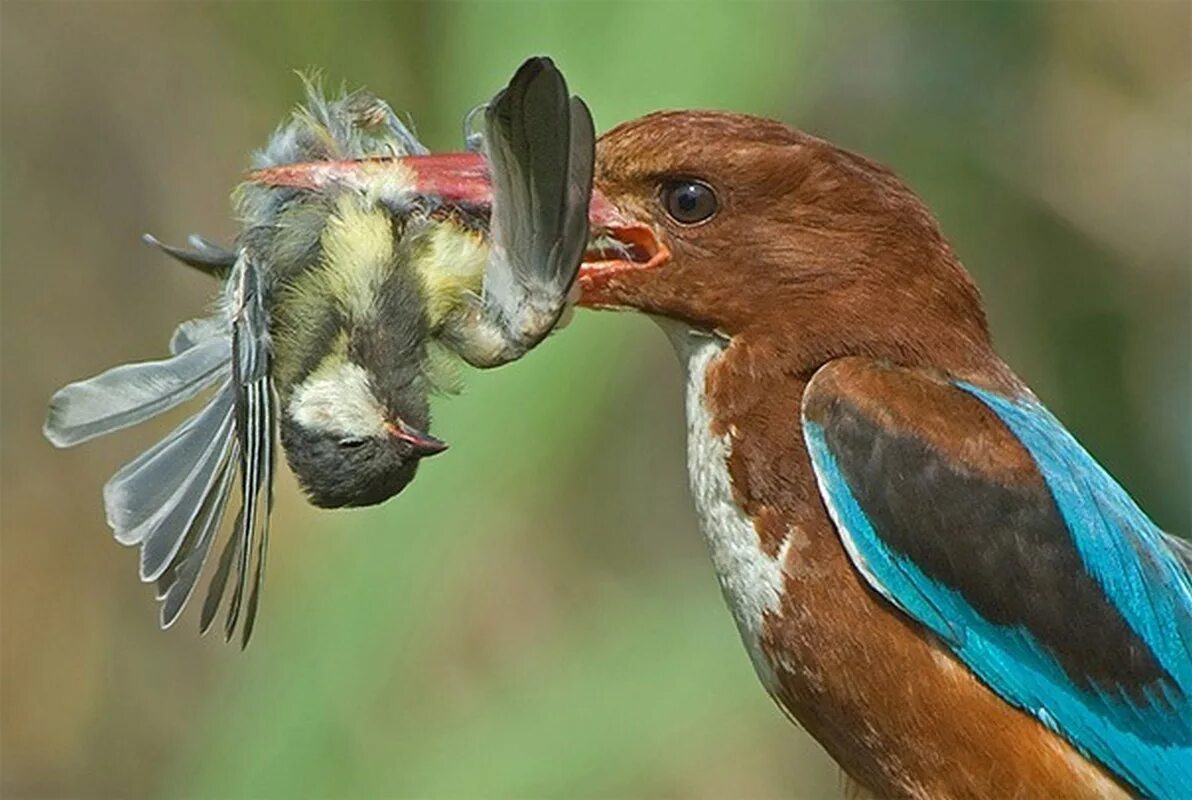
(431, 446)
(423, 444)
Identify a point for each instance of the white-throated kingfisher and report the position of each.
(929, 572)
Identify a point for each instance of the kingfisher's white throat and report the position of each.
(750, 579)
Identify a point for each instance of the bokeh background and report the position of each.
(535, 616)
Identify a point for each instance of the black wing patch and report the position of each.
(981, 517)
(1005, 549)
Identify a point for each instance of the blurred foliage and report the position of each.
(535, 616)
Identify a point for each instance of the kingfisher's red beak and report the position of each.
(620, 249)
(619, 246)
(454, 178)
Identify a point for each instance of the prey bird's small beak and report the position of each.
(423, 443)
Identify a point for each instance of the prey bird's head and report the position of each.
(354, 436)
(751, 229)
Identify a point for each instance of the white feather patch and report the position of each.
(338, 400)
(752, 581)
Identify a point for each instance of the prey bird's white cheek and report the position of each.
(751, 580)
(338, 400)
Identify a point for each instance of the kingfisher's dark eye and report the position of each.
(689, 202)
(352, 442)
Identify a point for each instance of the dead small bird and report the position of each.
(343, 306)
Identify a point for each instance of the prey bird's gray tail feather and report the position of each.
(540, 143)
(204, 255)
(268, 437)
(177, 583)
(194, 332)
(132, 393)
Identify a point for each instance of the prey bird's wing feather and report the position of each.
(194, 332)
(982, 518)
(162, 535)
(219, 580)
(581, 172)
(255, 423)
(140, 491)
(540, 143)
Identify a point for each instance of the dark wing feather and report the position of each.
(205, 256)
(541, 146)
(219, 580)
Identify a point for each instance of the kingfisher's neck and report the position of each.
(750, 477)
(743, 399)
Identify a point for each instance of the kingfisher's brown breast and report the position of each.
(899, 713)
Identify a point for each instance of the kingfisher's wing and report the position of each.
(171, 499)
(982, 518)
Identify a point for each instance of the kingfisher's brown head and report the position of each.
(750, 228)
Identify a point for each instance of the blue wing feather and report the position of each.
(1119, 544)
(1146, 739)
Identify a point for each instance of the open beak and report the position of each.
(619, 246)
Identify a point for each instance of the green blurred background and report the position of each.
(535, 616)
